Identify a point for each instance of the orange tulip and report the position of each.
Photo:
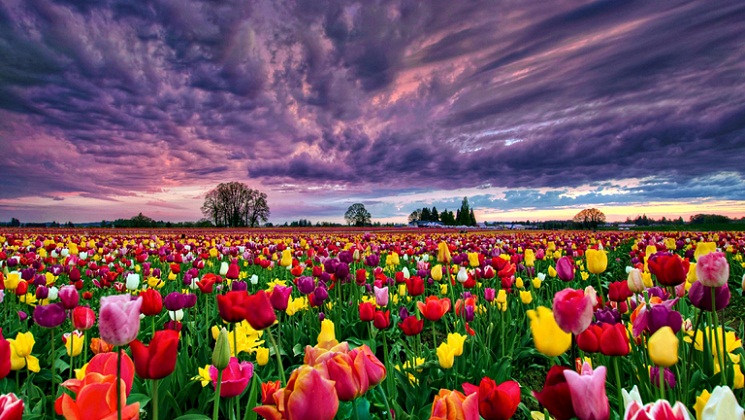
(95, 399)
(434, 308)
(453, 405)
(349, 374)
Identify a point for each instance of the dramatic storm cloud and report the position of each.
(108, 108)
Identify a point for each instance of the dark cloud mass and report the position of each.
(336, 100)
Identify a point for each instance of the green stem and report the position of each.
(621, 408)
(154, 396)
(54, 382)
(355, 414)
(152, 324)
(385, 400)
(501, 329)
(216, 408)
(279, 357)
(721, 349)
(661, 374)
(72, 355)
(118, 383)
(235, 339)
(434, 337)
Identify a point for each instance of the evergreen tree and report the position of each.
(472, 221)
(435, 214)
(426, 215)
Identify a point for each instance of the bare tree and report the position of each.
(234, 204)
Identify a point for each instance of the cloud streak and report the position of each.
(323, 102)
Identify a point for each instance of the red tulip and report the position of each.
(95, 398)
(157, 360)
(669, 269)
(207, 284)
(415, 286)
(267, 392)
(382, 320)
(22, 288)
(233, 272)
(589, 340)
(259, 311)
(555, 396)
(614, 341)
(434, 308)
(83, 318)
(232, 306)
(367, 311)
(498, 402)
(619, 291)
(411, 326)
(280, 297)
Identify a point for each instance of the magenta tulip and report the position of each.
(235, 377)
(119, 319)
(572, 310)
(49, 316)
(565, 269)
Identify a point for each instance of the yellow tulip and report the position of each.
(549, 339)
(443, 253)
(20, 354)
(327, 336)
(526, 297)
(296, 304)
(80, 373)
(537, 283)
(703, 248)
(456, 341)
(49, 278)
(701, 401)
(663, 347)
(519, 283)
(597, 261)
(445, 355)
(12, 279)
(286, 260)
(262, 356)
(551, 271)
(436, 272)
(670, 243)
(392, 259)
(74, 343)
(473, 259)
(444, 289)
(584, 275)
(529, 258)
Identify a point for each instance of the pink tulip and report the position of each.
(373, 366)
(235, 377)
(712, 269)
(659, 410)
(588, 393)
(381, 295)
(119, 319)
(573, 310)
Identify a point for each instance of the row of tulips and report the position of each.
(563, 325)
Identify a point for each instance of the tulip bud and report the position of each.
(221, 354)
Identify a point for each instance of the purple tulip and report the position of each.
(700, 296)
(42, 292)
(69, 297)
(190, 300)
(654, 376)
(469, 313)
(342, 271)
(330, 265)
(49, 316)
(28, 274)
(22, 315)
(174, 301)
(346, 257)
(40, 280)
(372, 260)
(74, 274)
(238, 286)
(403, 313)
(320, 294)
(662, 316)
(608, 315)
(119, 319)
(306, 285)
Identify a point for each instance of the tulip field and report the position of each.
(376, 324)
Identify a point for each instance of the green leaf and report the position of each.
(192, 417)
(138, 398)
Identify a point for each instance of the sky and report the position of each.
(534, 110)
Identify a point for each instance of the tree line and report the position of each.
(463, 216)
